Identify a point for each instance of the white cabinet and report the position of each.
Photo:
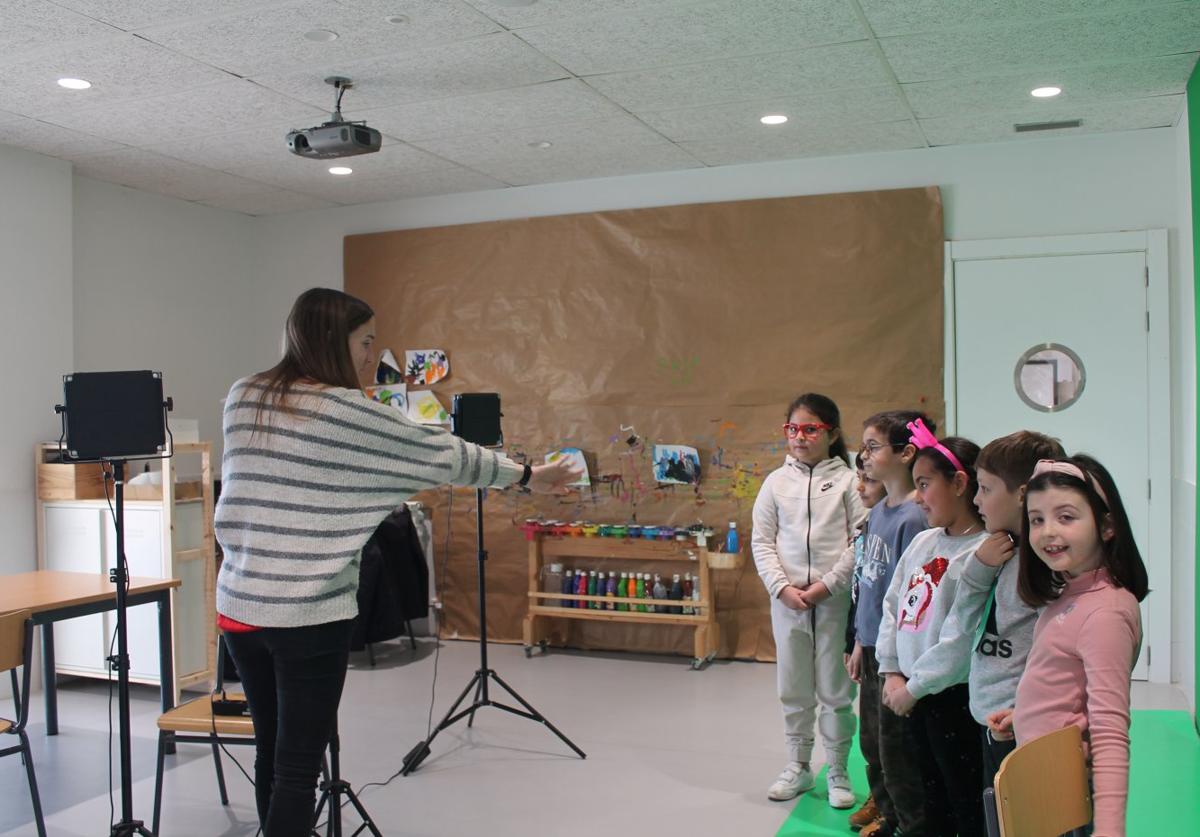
(165, 537)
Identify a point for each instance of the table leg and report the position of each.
(50, 684)
(166, 664)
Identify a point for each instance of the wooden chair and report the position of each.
(1041, 789)
(195, 723)
(16, 651)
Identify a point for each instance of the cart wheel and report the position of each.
(697, 663)
(544, 645)
(528, 651)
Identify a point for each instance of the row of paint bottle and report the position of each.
(657, 592)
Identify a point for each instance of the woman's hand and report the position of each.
(553, 478)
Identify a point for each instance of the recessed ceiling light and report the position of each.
(773, 119)
(321, 35)
(341, 170)
(1045, 92)
(396, 19)
(541, 144)
(74, 83)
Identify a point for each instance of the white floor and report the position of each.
(670, 751)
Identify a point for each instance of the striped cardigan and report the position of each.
(302, 492)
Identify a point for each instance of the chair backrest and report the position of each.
(1042, 787)
(12, 639)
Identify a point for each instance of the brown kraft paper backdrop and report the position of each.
(692, 325)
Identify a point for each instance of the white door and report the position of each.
(1096, 305)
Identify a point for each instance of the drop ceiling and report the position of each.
(192, 98)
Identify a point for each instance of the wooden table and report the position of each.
(52, 596)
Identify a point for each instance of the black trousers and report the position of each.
(870, 702)
(994, 752)
(899, 754)
(951, 762)
(293, 680)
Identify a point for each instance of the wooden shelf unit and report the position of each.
(624, 551)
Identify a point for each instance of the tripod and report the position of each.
(480, 680)
(332, 788)
(120, 661)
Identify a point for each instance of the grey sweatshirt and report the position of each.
(999, 656)
(915, 637)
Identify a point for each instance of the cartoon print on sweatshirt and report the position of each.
(921, 587)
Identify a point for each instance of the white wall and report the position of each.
(163, 284)
(35, 332)
(1183, 428)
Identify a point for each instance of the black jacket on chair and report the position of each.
(393, 584)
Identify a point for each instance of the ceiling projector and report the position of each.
(337, 137)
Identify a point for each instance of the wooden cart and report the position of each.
(621, 554)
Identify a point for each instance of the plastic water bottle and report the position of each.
(731, 539)
(552, 582)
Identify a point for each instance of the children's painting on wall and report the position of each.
(425, 366)
(424, 408)
(394, 395)
(676, 465)
(577, 460)
(388, 371)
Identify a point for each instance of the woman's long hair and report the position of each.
(317, 345)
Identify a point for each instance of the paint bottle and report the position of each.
(695, 593)
(581, 584)
(591, 589)
(641, 591)
(611, 591)
(552, 582)
(623, 591)
(568, 587)
(731, 539)
(687, 592)
(660, 592)
(676, 593)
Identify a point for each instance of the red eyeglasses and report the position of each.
(809, 431)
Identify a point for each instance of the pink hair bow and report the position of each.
(922, 438)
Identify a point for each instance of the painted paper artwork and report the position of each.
(394, 395)
(425, 366)
(676, 465)
(424, 408)
(388, 371)
(575, 455)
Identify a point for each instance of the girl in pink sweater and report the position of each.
(1079, 561)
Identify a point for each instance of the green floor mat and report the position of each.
(1163, 778)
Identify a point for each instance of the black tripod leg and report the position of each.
(368, 823)
(475, 702)
(418, 753)
(537, 715)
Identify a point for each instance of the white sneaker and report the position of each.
(841, 795)
(795, 779)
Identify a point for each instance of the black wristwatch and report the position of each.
(524, 480)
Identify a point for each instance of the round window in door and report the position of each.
(1049, 377)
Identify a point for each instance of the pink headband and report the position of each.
(1054, 466)
(922, 438)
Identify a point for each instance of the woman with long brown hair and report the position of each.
(311, 467)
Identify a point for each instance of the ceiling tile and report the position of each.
(617, 145)
(263, 144)
(200, 112)
(51, 140)
(1157, 112)
(539, 104)
(1125, 35)
(269, 38)
(491, 62)
(131, 14)
(268, 203)
(888, 17)
(690, 33)
(1126, 80)
(417, 184)
(714, 122)
(833, 67)
(536, 14)
(855, 139)
(121, 68)
(31, 25)
(287, 171)
(151, 172)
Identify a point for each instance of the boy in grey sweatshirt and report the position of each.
(987, 604)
